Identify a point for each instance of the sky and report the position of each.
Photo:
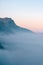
(25, 13)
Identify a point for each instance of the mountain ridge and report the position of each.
(7, 25)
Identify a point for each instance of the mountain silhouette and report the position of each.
(7, 25)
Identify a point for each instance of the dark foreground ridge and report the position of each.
(1, 46)
(7, 25)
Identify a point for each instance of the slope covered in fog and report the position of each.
(21, 48)
(8, 25)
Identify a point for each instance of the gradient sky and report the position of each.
(26, 13)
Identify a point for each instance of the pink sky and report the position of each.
(34, 24)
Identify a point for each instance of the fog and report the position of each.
(21, 49)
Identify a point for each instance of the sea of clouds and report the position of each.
(21, 49)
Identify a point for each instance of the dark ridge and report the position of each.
(7, 25)
(1, 46)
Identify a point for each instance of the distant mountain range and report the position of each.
(7, 25)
